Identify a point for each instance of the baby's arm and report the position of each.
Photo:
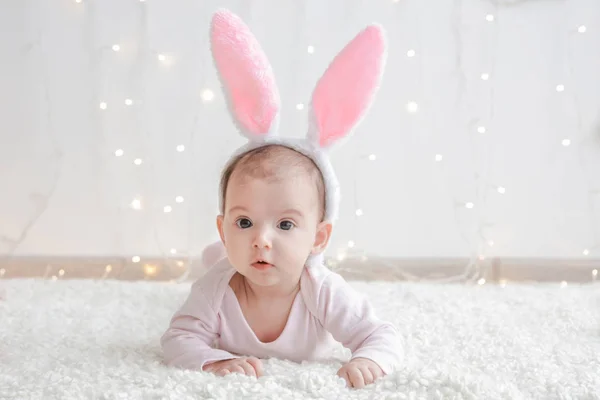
(193, 329)
(351, 320)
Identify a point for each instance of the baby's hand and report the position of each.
(360, 372)
(250, 366)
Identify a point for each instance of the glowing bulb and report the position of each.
(61, 272)
(167, 209)
(359, 212)
(582, 29)
(566, 142)
(350, 243)
(372, 157)
(135, 259)
(137, 161)
(150, 269)
(586, 252)
(108, 268)
(481, 129)
(481, 281)
(180, 148)
(119, 152)
(207, 95)
(560, 88)
(491, 243)
(173, 251)
(77, 1)
(485, 76)
(162, 57)
(2, 272)
(438, 157)
(310, 49)
(300, 106)
(412, 107)
(595, 273)
(136, 204)
(411, 53)
(563, 284)
(469, 205)
(116, 47)
(128, 102)
(501, 190)
(489, 18)
(103, 106)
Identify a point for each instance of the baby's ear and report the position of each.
(346, 90)
(322, 237)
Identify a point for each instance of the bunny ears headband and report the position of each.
(339, 101)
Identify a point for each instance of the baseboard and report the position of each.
(495, 270)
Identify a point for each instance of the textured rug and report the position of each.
(82, 339)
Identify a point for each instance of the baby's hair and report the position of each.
(272, 162)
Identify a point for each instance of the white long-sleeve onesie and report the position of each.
(210, 325)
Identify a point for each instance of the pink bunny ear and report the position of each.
(346, 90)
(246, 76)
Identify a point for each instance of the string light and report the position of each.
(119, 152)
(586, 252)
(150, 269)
(411, 53)
(485, 76)
(180, 148)
(300, 106)
(491, 243)
(179, 199)
(563, 284)
(167, 209)
(359, 212)
(350, 244)
(2, 272)
(501, 190)
(173, 251)
(137, 161)
(481, 129)
(412, 107)
(61, 272)
(136, 204)
(582, 29)
(560, 88)
(594, 274)
(566, 142)
(481, 282)
(162, 57)
(489, 18)
(116, 47)
(103, 106)
(135, 259)
(372, 157)
(438, 157)
(128, 102)
(310, 49)
(469, 205)
(207, 95)
(77, 1)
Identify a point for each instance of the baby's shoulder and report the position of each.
(212, 285)
(319, 282)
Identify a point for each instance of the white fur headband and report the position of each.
(339, 101)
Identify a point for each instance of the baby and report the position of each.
(272, 296)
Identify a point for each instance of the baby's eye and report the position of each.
(286, 225)
(244, 223)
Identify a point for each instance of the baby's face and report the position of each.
(270, 227)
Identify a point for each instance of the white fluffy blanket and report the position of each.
(99, 340)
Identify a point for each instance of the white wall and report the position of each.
(65, 192)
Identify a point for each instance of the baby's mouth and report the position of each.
(261, 265)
